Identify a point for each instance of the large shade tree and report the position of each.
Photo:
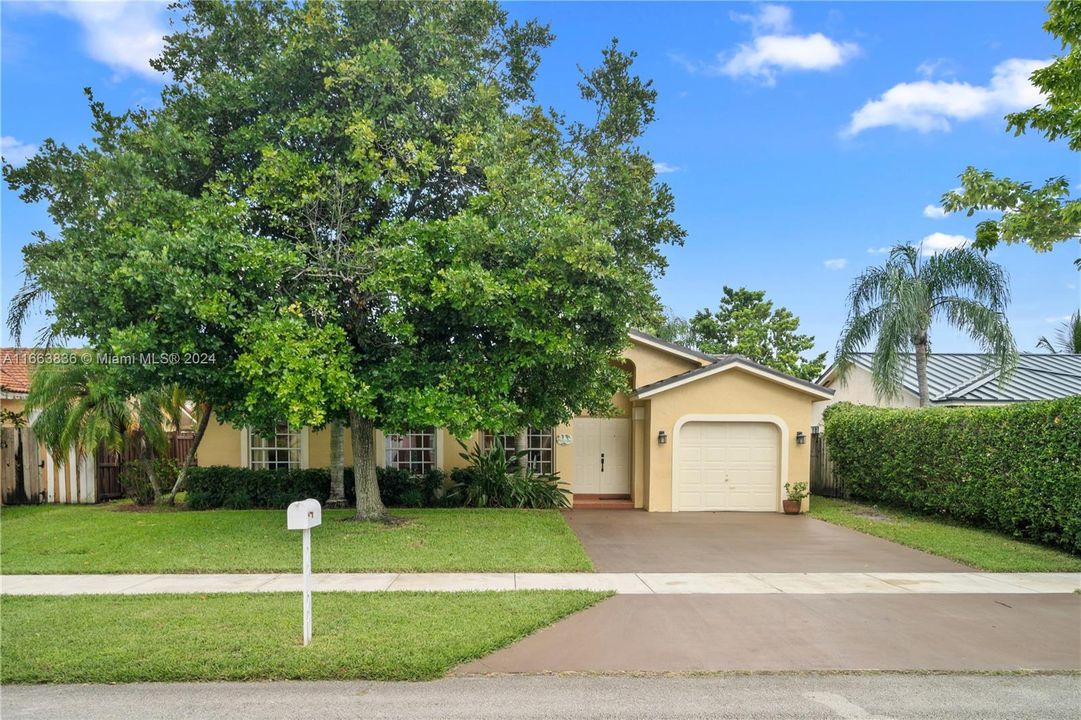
(896, 303)
(412, 241)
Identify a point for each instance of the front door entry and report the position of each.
(602, 456)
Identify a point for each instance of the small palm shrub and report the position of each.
(494, 478)
(136, 483)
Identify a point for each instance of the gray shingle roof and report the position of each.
(971, 377)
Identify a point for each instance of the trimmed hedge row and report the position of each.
(1014, 468)
(219, 486)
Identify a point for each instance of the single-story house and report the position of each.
(960, 379)
(698, 432)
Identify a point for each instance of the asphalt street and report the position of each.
(845, 697)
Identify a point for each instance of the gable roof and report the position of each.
(687, 353)
(973, 378)
(722, 363)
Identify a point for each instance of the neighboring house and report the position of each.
(28, 472)
(698, 432)
(961, 379)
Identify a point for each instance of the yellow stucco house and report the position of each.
(698, 432)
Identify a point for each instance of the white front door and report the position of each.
(602, 456)
(728, 466)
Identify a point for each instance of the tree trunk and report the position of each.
(182, 476)
(147, 456)
(921, 369)
(369, 504)
(521, 443)
(337, 466)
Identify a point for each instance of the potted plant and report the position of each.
(796, 493)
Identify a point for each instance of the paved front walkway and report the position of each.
(620, 583)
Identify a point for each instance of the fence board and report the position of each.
(824, 480)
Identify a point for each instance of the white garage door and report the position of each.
(728, 466)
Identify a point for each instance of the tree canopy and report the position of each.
(361, 211)
(746, 323)
(1044, 215)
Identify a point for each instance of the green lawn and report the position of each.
(374, 636)
(101, 539)
(982, 549)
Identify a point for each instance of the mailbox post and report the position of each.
(304, 515)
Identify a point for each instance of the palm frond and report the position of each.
(26, 298)
(1067, 337)
(987, 327)
(964, 271)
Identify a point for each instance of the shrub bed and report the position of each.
(219, 486)
(1015, 468)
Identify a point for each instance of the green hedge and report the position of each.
(1014, 468)
(219, 486)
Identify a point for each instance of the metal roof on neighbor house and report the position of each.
(972, 377)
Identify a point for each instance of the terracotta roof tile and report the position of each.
(14, 370)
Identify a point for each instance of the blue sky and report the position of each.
(799, 139)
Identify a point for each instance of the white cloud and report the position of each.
(836, 263)
(1058, 319)
(938, 242)
(15, 151)
(774, 49)
(935, 212)
(884, 250)
(663, 168)
(942, 67)
(123, 35)
(926, 105)
(770, 54)
(768, 19)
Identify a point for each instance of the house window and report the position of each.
(510, 442)
(538, 447)
(280, 451)
(413, 451)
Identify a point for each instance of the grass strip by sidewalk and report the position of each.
(374, 636)
(100, 539)
(981, 549)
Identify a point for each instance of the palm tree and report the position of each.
(1067, 337)
(899, 300)
(80, 409)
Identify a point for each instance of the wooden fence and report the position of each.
(20, 477)
(824, 480)
(109, 463)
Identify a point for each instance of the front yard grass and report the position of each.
(982, 549)
(99, 539)
(372, 636)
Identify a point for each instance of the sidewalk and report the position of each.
(620, 583)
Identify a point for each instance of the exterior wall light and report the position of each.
(662, 437)
(800, 438)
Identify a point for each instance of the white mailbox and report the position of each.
(303, 515)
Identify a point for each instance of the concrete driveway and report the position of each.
(638, 541)
(777, 633)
